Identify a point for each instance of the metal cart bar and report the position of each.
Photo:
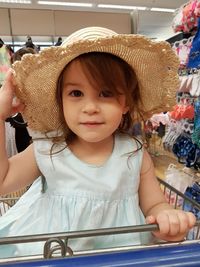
(80, 234)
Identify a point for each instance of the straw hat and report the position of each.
(155, 65)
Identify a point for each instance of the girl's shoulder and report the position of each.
(126, 141)
(131, 149)
(47, 146)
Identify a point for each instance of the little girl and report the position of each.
(80, 101)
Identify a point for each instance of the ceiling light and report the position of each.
(122, 7)
(55, 3)
(162, 9)
(16, 1)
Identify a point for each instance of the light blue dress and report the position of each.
(79, 196)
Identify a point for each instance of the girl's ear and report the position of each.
(126, 109)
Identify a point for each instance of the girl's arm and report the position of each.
(173, 224)
(21, 169)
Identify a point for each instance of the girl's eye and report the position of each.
(106, 93)
(76, 93)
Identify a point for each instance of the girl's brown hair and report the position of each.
(105, 70)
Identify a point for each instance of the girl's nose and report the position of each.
(90, 107)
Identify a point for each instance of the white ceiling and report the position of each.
(153, 24)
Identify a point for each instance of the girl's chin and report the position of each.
(93, 138)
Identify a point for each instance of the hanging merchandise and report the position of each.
(10, 140)
(194, 55)
(177, 24)
(5, 62)
(185, 83)
(189, 16)
(193, 193)
(195, 85)
(182, 137)
(196, 133)
(182, 49)
(186, 17)
(186, 151)
(180, 180)
(182, 110)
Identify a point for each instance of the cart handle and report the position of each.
(84, 233)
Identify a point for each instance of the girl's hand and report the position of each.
(9, 104)
(173, 224)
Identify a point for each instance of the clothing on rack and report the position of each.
(22, 137)
(196, 133)
(5, 62)
(186, 17)
(182, 49)
(182, 181)
(194, 55)
(10, 140)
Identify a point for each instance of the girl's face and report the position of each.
(93, 114)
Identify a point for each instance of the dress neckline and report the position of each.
(76, 159)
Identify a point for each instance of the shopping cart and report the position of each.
(186, 253)
(6, 203)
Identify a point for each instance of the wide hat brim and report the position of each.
(154, 63)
